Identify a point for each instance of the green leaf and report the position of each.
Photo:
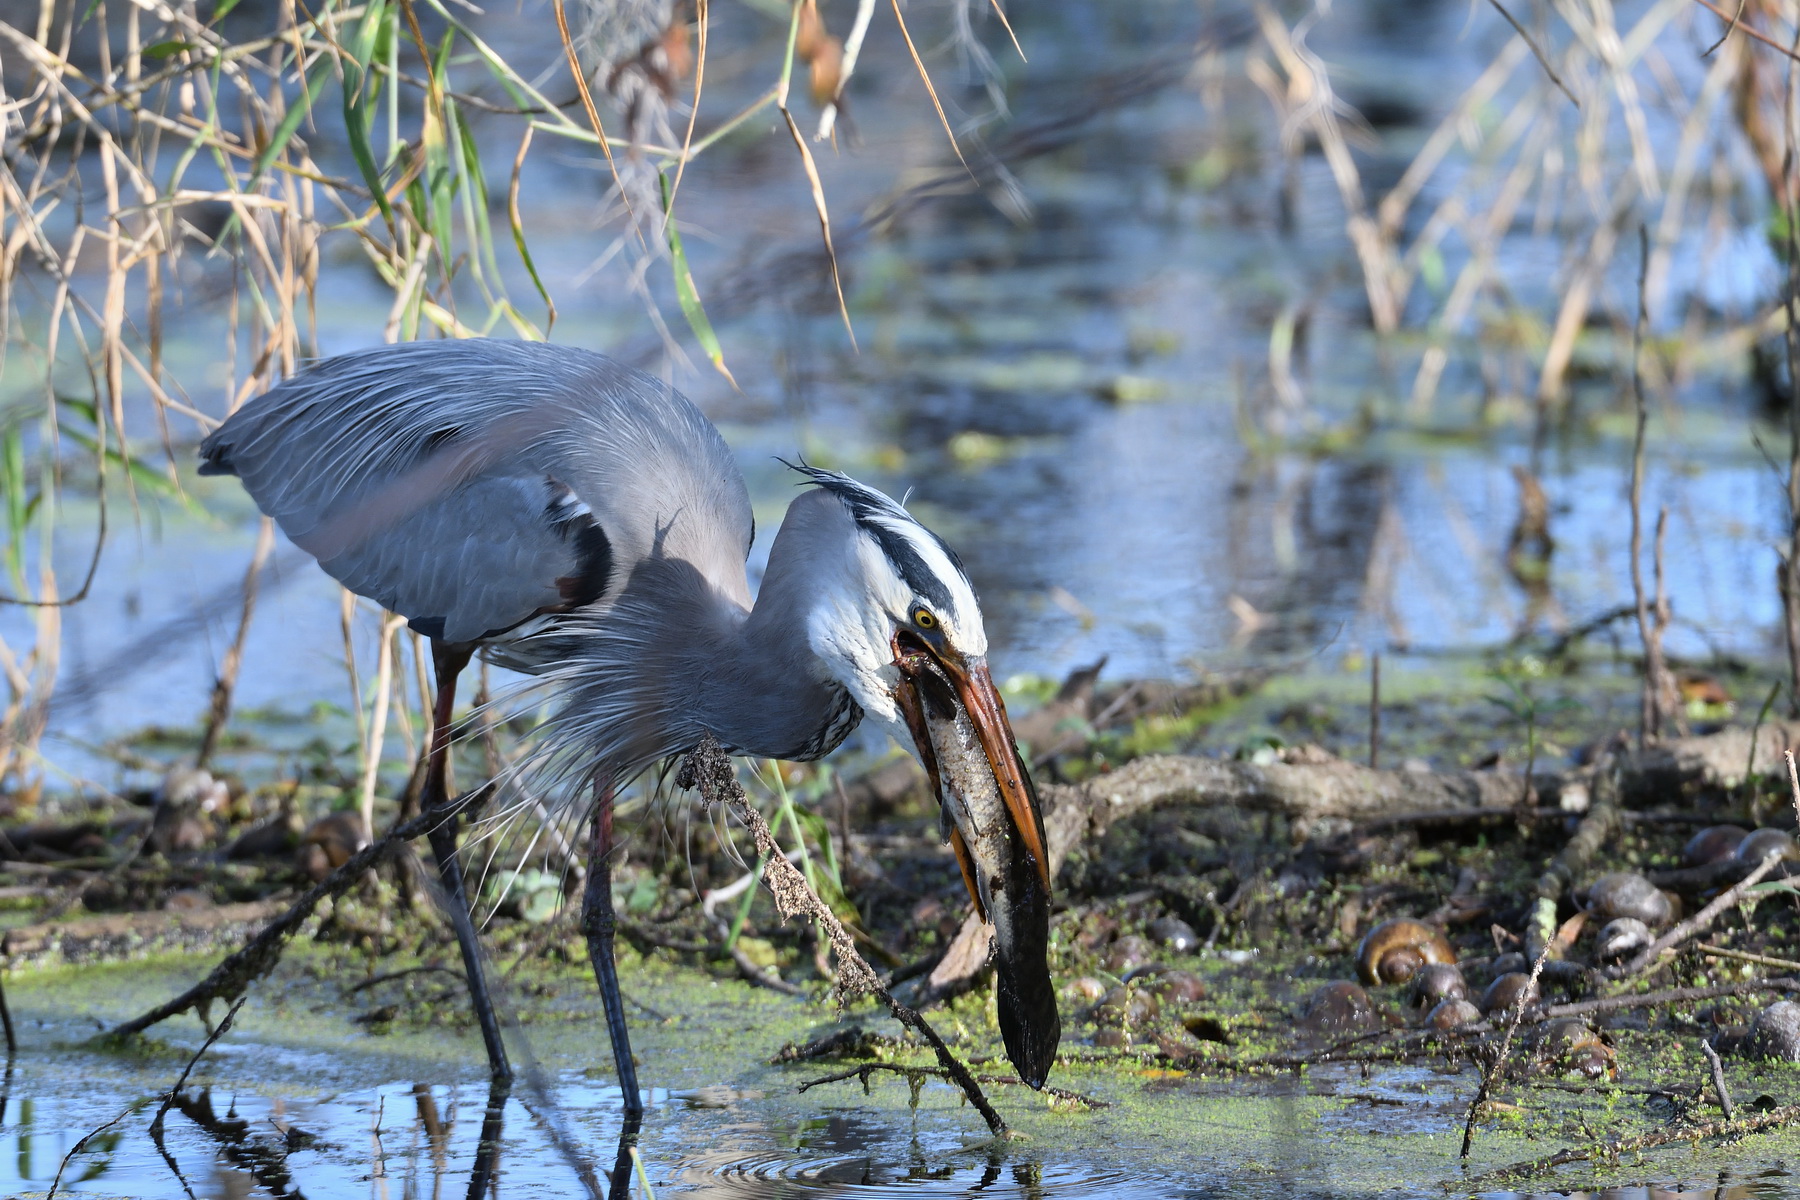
(686, 293)
(284, 132)
(145, 476)
(12, 464)
(168, 49)
(358, 121)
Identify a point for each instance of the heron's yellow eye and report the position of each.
(923, 619)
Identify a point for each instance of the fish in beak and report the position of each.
(958, 722)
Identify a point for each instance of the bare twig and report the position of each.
(1537, 52)
(78, 1147)
(1764, 38)
(1654, 708)
(1493, 1065)
(1718, 1079)
(156, 1123)
(1748, 987)
(226, 683)
(1786, 964)
(709, 770)
(1375, 711)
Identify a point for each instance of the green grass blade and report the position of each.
(290, 124)
(687, 294)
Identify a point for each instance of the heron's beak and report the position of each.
(958, 721)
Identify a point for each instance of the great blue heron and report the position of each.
(567, 516)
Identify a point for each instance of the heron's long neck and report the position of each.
(767, 691)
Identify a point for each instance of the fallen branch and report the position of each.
(1610, 1151)
(258, 956)
(168, 1100)
(1762, 960)
(709, 771)
(917, 1075)
(1581, 1008)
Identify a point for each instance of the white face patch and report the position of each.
(925, 576)
(891, 568)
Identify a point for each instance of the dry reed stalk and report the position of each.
(387, 628)
(226, 684)
(1659, 701)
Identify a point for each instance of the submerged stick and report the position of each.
(709, 771)
(1610, 1151)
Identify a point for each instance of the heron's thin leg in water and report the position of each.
(597, 924)
(487, 1151)
(448, 661)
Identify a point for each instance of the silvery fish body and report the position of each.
(1007, 881)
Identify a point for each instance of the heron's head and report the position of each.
(889, 601)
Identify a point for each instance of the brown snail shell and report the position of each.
(1452, 1014)
(1761, 843)
(1715, 843)
(1393, 951)
(1172, 987)
(1435, 983)
(1628, 894)
(1505, 992)
(1089, 988)
(1337, 1005)
(1127, 952)
(1125, 1005)
(1775, 1033)
(1569, 1046)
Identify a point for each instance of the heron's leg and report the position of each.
(449, 660)
(487, 1150)
(597, 924)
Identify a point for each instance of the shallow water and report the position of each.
(298, 1101)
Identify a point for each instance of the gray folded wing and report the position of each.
(471, 485)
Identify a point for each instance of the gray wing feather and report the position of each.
(472, 482)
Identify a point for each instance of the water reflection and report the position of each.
(419, 1140)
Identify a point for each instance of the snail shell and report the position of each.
(1616, 939)
(1127, 952)
(1452, 1014)
(1627, 894)
(1570, 1047)
(1127, 1006)
(1506, 991)
(1507, 963)
(1175, 934)
(1394, 951)
(1336, 1006)
(1172, 987)
(1435, 983)
(1775, 1033)
(1758, 846)
(1089, 988)
(1715, 843)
